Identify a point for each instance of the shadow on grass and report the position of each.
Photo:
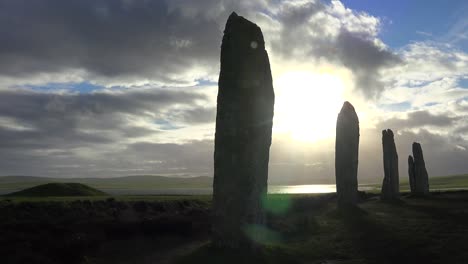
(208, 254)
(380, 243)
(450, 207)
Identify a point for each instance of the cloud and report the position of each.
(366, 60)
(149, 112)
(175, 42)
(106, 39)
(420, 119)
(444, 154)
(332, 33)
(101, 133)
(51, 120)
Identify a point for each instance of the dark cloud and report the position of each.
(171, 41)
(304, 34)
(444, 155)
(365, 59)
(195, 115)
(92, 134)
(109, 38)
(58, 121)
(420, 119)
(190, 158)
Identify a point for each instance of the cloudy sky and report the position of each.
(122, 87)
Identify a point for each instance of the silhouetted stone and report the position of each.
(243, 135)
(346, 155)
(412, 180)
(421, 179)
(391, 182)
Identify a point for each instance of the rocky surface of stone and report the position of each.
(346, 155)
(243, 135)
(412, 180)
(391, 182)
(421, 178)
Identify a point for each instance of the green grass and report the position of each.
(416, 230)
(301, 228)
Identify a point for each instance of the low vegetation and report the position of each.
(312, 230)
(176, 229)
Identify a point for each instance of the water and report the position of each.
(291, 189)
(312, 188)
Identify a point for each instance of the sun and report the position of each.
(307, 104)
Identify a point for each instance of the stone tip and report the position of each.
(243, 32)
(348, 112)
(232, 17)
(347, 106)
(388, 132)
(410, 158)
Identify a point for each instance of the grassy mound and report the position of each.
(58, 189)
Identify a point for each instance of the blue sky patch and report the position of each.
(399, 107)
(204, 82)
(431, 104)
(416, 20)
(82, 87)
(85, 87)
(463, 83)
(166, 125)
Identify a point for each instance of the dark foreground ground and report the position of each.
(301, 229)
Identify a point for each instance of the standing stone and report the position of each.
(412, 180)
(346, 155)
(391, 182)
(421, 178)
(243, 135)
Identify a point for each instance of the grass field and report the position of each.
(301, 228)
(313, 230)
(176, 229)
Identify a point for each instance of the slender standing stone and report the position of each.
(346, 155)
(243, 135)
(391, 182)
(420, 173)
(412, 180)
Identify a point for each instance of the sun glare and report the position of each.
(307, 104)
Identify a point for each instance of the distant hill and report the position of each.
(58, 189)
(127, 182)
(152, 182)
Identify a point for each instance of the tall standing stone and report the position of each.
(412, 180)
(243, 135)
(391, 182)
(346, 155)
(421, 178)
